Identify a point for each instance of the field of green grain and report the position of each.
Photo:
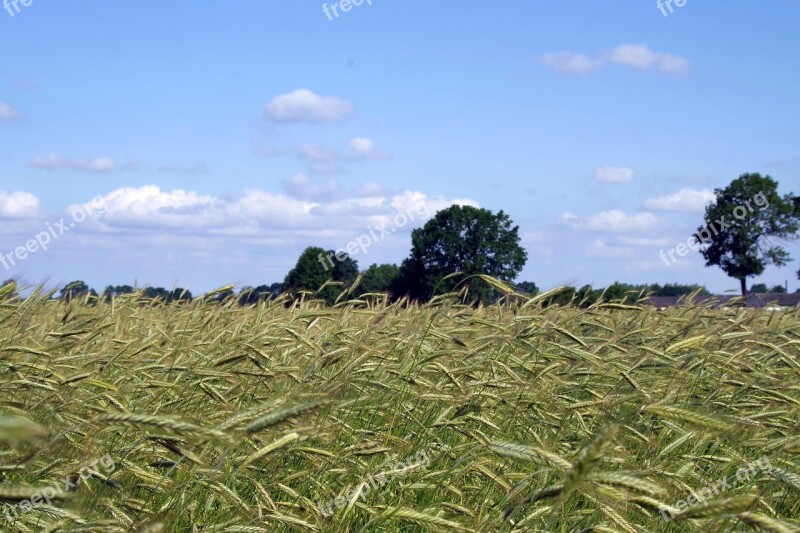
(371, 416)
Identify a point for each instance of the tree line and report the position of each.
(460, 245)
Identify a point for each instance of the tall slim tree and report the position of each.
(742, 225)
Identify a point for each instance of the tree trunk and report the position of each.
(743, 281)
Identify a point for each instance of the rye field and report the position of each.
(373, 416)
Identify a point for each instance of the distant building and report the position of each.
(772, 301)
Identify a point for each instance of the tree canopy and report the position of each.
(76, 289)
(462, 239)
(742, 225)
(315, 267)
(378, 279)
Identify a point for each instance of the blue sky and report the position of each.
(223, 138)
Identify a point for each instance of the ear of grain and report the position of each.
(766, 524)
(719, 507)
(690, 417)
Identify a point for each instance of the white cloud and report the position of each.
(256, 214)
(371, 188)
(686, 200)
(58, 162)
(302, 105)
(197, 168)
(301, 186)
(364, 148)
(607, 174)
(417, 202)
(615, 221)
(635, 241)
(571, 62)
(149, 206)
(531, 237)
(600, 249)
(636, 56)
(18, 204)
(315, 152)
(268, 151)
(7, 112)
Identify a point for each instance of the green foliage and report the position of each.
(674, 289)
(180, 295)
(76, 290)
(625, 293)
(758, 288)
(114, 291)
(527, 287)
(461, 239)
(761, 288)
(253, 295)
(155, 292)
(745, 248)
(222, 295)
(378, 278)
(315, 267)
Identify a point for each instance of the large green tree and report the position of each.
(315, 266)
(461, 239)
(76, 290)
(114, 291)
(254, 295)
(743, 224)
(378, 279)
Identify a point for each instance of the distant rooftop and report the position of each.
(753, 300)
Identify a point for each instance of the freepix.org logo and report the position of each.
(13, 6)
(344, 6)
(664, 5)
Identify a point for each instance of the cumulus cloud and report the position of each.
(637, 241)
(315, 152)
(149, 206)
(416, 201)
(301, 186)
(18, 204)
(321, 160)
(302, 105)
(7, 112)
(600, 249)
(364, 148)
(371, 188)
(57, 162)
(636, 56)
(197, 168)
(686, 200)
(614, 221)
(607, 174)
(256, 213)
